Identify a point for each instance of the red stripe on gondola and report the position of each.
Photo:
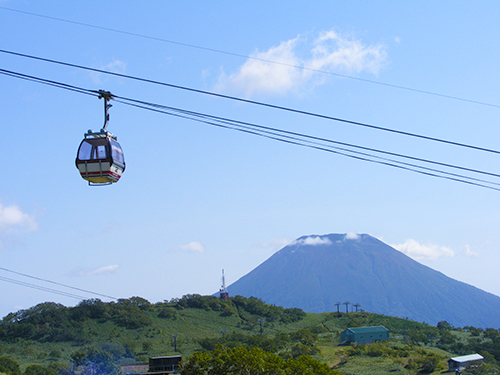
(99, 174)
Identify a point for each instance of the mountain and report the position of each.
(316, 272)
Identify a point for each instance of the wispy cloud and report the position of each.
(351, 236)
(261, 75)
(14, 220)
(333, 51)
(97, 271)
(194, 247)
(115, 66)
(313, 241)
(105, 269)
(420, 251)
(275, 242)
(276, 71)
(471, 253)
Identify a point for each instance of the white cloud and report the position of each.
(260, 74)
(194, 247)
(115, 66)
(13, 219)
(313, 241)
(334, 51)
(276, 242)
(351, 236)
(470, 253)
(97, 271)
(105, 269)
(275, 71)
(419, 251)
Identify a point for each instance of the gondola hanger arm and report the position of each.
(107, 96)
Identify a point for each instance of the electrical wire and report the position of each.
(286, 136)
(48, 82)
(300, 67)
(56, 283)
(341, 151)
(34, 286)
(263, 128)
(273, 106)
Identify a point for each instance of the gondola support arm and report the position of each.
(107, 96)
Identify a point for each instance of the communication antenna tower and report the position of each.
(223, 294)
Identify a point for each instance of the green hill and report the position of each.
(131, 330)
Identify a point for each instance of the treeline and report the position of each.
(238, 305)
(53, 322)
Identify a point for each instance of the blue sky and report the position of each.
(196, 199)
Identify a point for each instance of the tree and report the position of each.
(167, 313)
(444, 326)
(91, 308)
(417, 335)
(484, 369)
(140, 302)
(60, 368)
(307, 365)
(299, 350)
(39, 370)
(254, 361)
(9, 366)
(428, 363)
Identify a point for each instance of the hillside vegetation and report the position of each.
(48, 338)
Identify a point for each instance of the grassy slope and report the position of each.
(192, 324)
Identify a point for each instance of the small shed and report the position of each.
(164, 365)
(364, 335)
(459, 363)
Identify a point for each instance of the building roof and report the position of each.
(368, 329)
(467, 358)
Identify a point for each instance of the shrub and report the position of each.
(167, 313)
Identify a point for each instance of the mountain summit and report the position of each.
(316, 273)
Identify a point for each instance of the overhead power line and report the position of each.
(288, 109)
(312, 139)
(303, 140)
(59, 284)
(219, 51)
(38, 287)
(299, 139)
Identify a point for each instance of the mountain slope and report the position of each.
(315, 272)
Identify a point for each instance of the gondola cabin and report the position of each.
(100, 158)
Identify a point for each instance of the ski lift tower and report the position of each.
(223, 294)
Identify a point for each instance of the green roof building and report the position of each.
(364, 335)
